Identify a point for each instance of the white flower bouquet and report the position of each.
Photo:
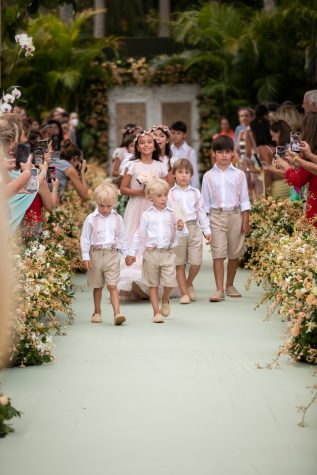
(145, 178)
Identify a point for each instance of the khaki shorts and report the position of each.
(159, 267)
(189, 249)
(227, 238)
(105, 268)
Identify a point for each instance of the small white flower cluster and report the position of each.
(26, 43)
(6, 103)
(145, 178)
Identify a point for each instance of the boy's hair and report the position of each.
(179, 126)
(106, 193)
(222, 142)
(156, 187)
(183, 164)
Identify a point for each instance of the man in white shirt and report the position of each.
(225, 194)
(181, 149)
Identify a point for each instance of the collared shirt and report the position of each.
(190, 199)
(185, 151)
(225, 189)
(103, 231)
(157, 229)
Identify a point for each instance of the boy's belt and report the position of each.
(235, 209)
(191, 221)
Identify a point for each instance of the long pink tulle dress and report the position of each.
(132, 216)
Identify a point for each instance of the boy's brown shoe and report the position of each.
(192, 294)
(184, 299)
(232, 292)
(218, 296)
(119, 319)
(158, 318)
(165, 309)
(96, 318)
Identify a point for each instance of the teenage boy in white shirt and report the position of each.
(181, 149)
(103, 235)
(189, 249)
(225, 194)
(158, 231)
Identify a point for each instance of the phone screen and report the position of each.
(32, 184)
(51, 174)
(38, 156)
(23, 152)
(43, 144)
(55, 142)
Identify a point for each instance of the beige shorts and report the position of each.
(227, 238)
(159, 267)
(105, 268)
(189, 249)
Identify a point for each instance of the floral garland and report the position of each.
(282, 258)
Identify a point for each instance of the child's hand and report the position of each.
(245, 228)
(208, 238)
(180, 225)
(87, 264)
(129, 260)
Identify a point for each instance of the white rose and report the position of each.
(16, 93)
(5, 107)
(4, 400)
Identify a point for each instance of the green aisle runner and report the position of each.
(180, 398)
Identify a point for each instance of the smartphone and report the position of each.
(44, 144)
(280, 150)
(32, 184)
(51, 174)
(38, 156)
(295, 138)
(55, 143)
(22, 154)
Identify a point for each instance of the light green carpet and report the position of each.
(180, 398)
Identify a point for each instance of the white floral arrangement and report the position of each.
(8, 99)
(26, 42)
(145, 178)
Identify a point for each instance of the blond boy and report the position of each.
(103, 237)
(158, 232)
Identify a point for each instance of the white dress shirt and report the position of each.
(103, 231)
(157, 230)
(190, 199)
(225, 189)
(185, 151)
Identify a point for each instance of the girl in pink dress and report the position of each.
(162, 135)
(145, 166)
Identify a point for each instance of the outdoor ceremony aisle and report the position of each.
(180, 398)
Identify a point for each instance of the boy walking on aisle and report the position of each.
(189, 249)
(103, 235)
(225, 194)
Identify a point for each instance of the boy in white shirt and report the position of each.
(158, 232)
(189, 249)
(103, 235)
(181, 149)
(225, 194)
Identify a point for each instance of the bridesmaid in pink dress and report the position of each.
(162, 135)
(146, 164)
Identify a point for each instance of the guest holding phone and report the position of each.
(70, 167)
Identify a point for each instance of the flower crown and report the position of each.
(142, 134)
(130, 130)
(162, 127)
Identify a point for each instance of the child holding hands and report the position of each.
(158, 232)
(189, 249)
(225, 194)
(103, 235)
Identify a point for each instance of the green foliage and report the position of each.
(62, 64)
(249, 54)
(7, 412)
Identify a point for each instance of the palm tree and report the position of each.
(99, 19)
(62, 64)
